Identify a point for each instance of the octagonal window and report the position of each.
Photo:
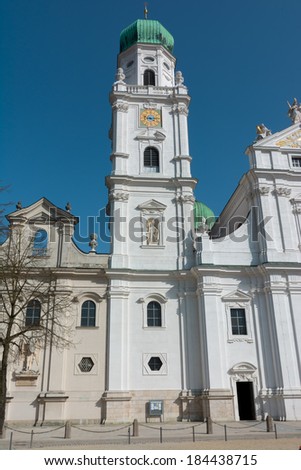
(86, 364)
(155, 363)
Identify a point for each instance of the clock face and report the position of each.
(150, 118)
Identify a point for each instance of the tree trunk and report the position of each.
(3, 389)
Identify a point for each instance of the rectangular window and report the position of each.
(296, 162)
(238, 321)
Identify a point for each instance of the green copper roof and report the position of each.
(201, 212)
(147, 32)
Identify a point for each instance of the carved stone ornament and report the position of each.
(148, 135)
(292, 141)
(297, 210)
(150, 105)
(188, 198)
(283, 192)
(296, 203)
(263, 190)
(180, 109)
(119, 196)
(243, 372)
(121, 107)
(152, 207)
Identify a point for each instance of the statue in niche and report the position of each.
(30, 356)
(294, 111)
(152, 231)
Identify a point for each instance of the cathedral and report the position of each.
(189, 316)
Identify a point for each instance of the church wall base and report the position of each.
(177, 405)
(218, 404)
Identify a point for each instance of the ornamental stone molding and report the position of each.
(296, 203)
(121, 107)
(180, 109)
(292, 141)
(150, 105)
(243, 371)
(188, 198)
(119, 196)
(152, 207)
(147, 136)
(263, 190)
(283, 192)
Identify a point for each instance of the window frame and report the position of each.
(86, 301)
(34, 323)
(154, 316)
(236, 319)
(151, 168)
(146, 370)
(77, 360)
(161, 300)
(293, 159)
(238, 300)
(150, 75)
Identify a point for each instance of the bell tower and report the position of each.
(151, 205)
(150, 186)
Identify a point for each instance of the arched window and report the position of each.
(149, 77)
(154, 316)
(33, 313)
(40, 243)
(151, 160)
(88, 314)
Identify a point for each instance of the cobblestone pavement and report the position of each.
(154, 435)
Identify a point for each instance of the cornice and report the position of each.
(150, 181)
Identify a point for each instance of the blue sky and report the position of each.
(240, 60)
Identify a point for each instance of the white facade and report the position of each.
(205, 321)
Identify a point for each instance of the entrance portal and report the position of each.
(245, 398)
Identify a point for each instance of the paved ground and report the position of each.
(230, 435)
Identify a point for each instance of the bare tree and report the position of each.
(32, 308)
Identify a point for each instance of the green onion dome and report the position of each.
(203, 213)
(147, 32)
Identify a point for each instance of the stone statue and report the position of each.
(30, 355)
(179, 78)
(262, 131)
(119, 77)
(294, 111)
(152, 232)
